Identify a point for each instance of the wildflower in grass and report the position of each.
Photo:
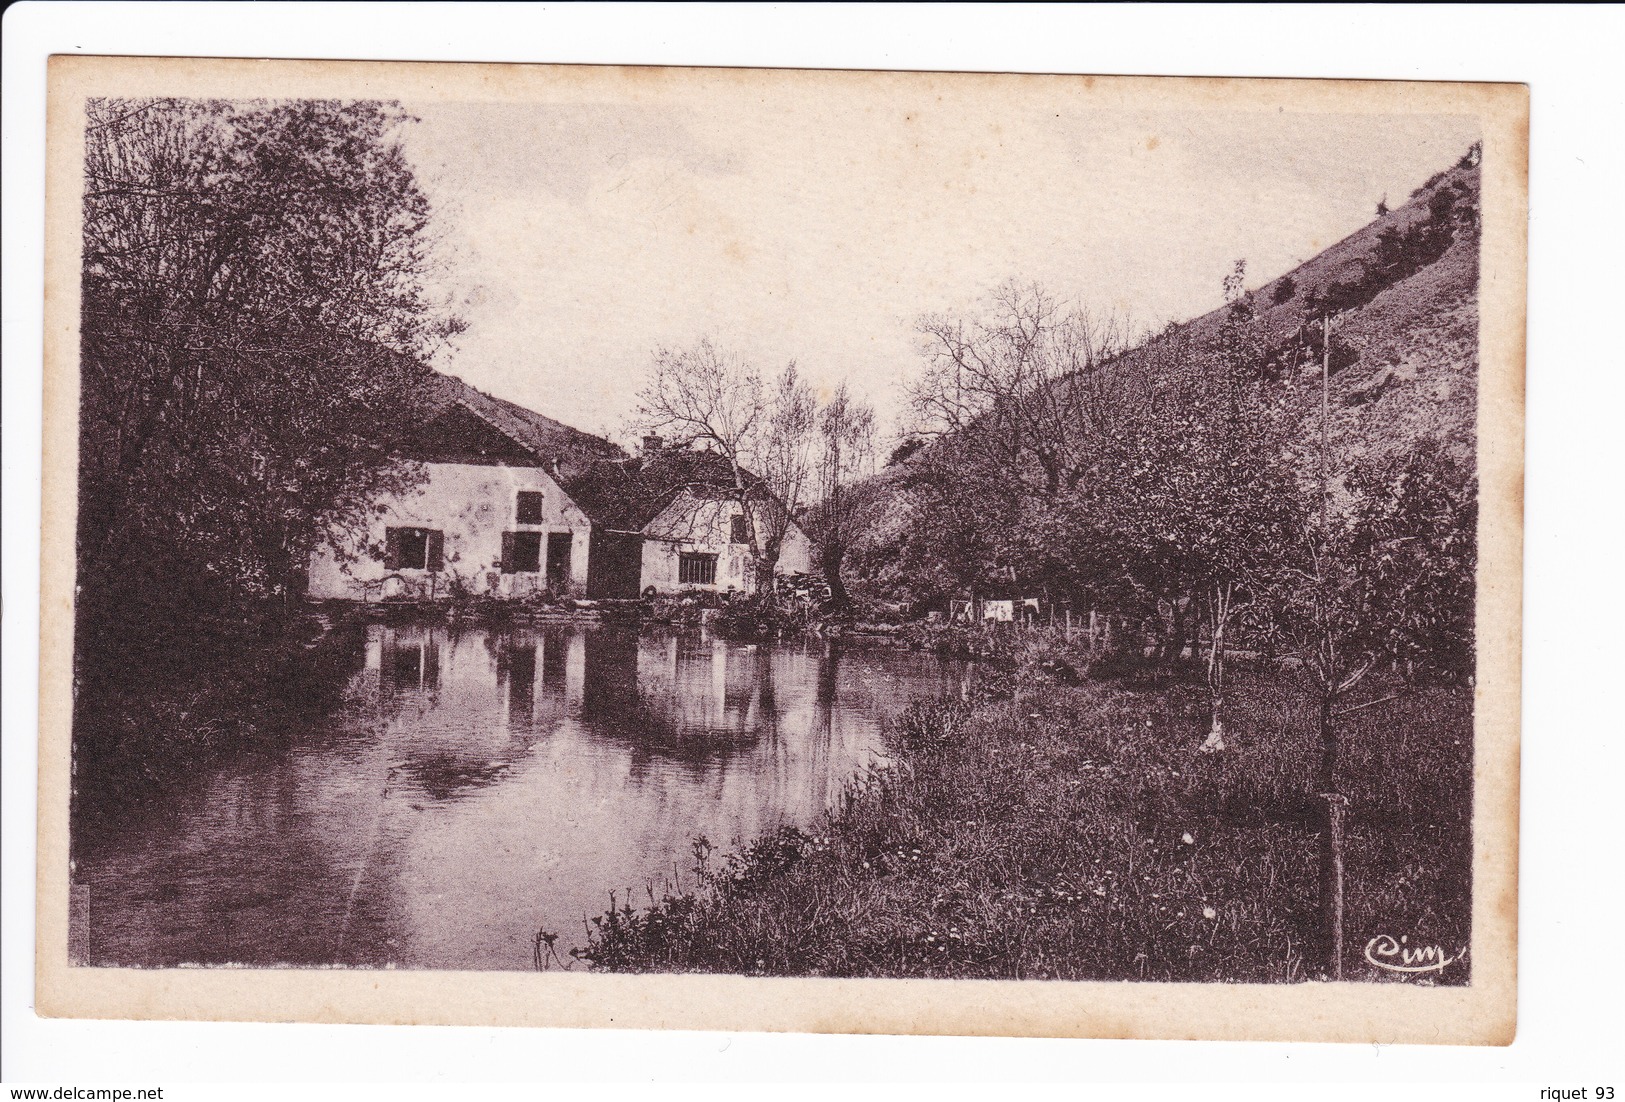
(1187, 839)
(1209, 912)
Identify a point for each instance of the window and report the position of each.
(530, 507)
(696, 569)
(521, 552)
(414, 549)
(740, 534)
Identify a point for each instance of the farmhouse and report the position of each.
(513, 504)
(701, 541)
(491, 515)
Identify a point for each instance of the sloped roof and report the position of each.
(694, 497)
(617, 491)
(578, 460)
(547, 439)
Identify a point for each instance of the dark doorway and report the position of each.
(521, 552)
(558, 559)
(614, 564)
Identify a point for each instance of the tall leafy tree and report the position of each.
(1385, 581)
(846, 429)
(1197, 498)
(254, 326)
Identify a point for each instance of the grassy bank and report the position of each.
(1074, 833)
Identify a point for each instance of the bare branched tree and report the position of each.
(761, 430)
(785, 465)
(1019, 401)
(1022, 385)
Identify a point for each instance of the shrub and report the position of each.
(903, 451)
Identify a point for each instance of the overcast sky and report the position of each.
(578, 237)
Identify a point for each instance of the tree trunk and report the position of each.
(1219, 616)
(831, 561)
(1174, 642)
(1328, 744)
(1331, 883)
(767, 570)
(1215, 732)
(1331, 842)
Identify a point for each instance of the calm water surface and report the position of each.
(475, 785)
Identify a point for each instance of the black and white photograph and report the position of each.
(1057, 538)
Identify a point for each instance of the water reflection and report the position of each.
(476, 784)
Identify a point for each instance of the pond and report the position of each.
(474, 785)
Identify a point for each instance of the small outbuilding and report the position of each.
(701, 541)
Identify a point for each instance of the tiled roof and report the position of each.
(617, 491)
(547, 439)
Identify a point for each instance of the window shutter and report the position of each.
(507, 552)
(392, 549)
(437, 550)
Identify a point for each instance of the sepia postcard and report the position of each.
(822, 551)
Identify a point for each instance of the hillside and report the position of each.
(1403, 291)
(1405, 345)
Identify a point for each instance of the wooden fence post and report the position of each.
(1331, 882)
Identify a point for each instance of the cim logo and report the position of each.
(1396, 956)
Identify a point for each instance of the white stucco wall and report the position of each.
(690, 525)
(473, 505)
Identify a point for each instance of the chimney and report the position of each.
(651, 444)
